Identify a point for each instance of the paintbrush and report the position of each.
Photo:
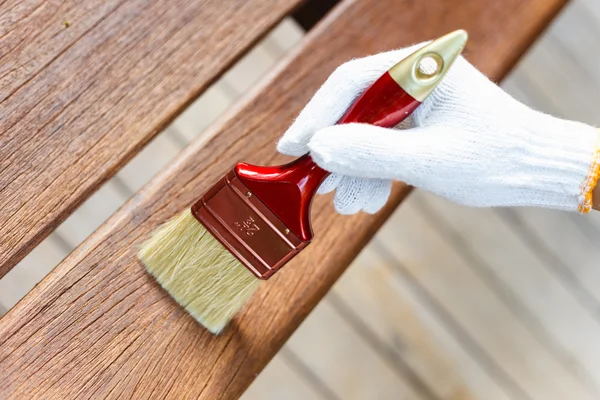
(212, 257)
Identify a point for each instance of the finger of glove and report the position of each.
(336, 95)
(367, 151)
(330, 183)
(381, 191)
(356, 194)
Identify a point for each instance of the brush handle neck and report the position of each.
(287, 190)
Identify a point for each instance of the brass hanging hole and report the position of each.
(428, 67)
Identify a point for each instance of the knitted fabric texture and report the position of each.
(469, 141)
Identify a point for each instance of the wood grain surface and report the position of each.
(384, 311)
(445, 277)
(85, 84)
(544, 305)
(98, 326)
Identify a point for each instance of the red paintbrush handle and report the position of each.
(287, 190)
(384, 104)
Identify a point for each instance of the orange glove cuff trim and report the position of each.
(590, 182)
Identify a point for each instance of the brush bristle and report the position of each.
(197, 271)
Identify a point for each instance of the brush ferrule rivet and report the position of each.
(248, 194)
(287, 231)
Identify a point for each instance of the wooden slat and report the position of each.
(330, 347)
(283, 383)
(145, 165)
(523, 280)
(568, 252)
(99, 326)
(77, 102)
(447, 280)
(404, 332)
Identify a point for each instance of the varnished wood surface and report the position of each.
(85, 84)
(99, 326)
(157, 154)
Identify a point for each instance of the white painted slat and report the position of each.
(335, 353)
(567, 250)
(279, 381)
(32, 269)
(150, 161)
(589, 6)
(249, 69)
(91, 214)
(578, 35)
(284, 37)
(520, 87)
(446, 277)
(204, 111)
(412, 335)
(559, 74)
(538, 296)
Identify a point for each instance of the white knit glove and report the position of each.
(469, 141)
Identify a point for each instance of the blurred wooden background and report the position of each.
(447, 302)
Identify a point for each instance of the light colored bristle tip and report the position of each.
(197, 271)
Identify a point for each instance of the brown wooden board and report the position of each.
(99, 326)
(85, 84)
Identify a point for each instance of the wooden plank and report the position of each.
(550, 68)
(566, 250)
(144, 166)
(330, 348)
(447, 279)
(280, 381)
(139, 170)
(99, 325)
(78, 101)
(519, 277)
(576, 33)
(405, 333)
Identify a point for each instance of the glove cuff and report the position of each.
(569, 153)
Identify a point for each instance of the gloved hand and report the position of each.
(469, 141)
